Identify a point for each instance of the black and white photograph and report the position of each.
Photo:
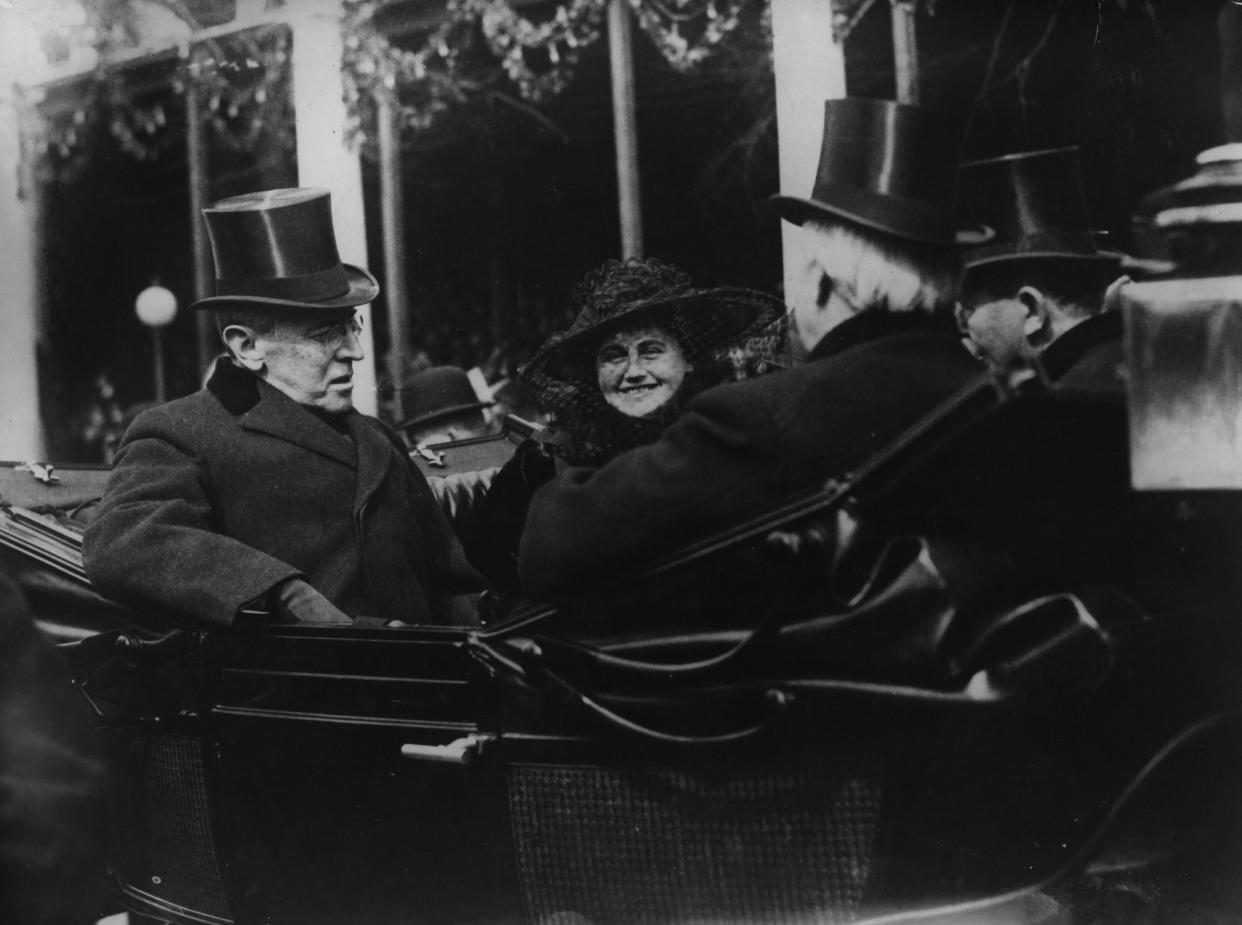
(620, 462)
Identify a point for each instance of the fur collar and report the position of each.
(234, 387)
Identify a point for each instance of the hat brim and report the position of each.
(363, 288)
(1100, 257)
(701, 311)
(909, 220)
(443, 413)
(1145, 267)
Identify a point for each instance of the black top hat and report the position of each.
(886, 166)
(1026, 206)
(277, 248)
(438, 393)
(635, 291)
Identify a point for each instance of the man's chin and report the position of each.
(337, 403)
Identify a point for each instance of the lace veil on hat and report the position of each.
(711, 325)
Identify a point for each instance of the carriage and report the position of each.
(979, 676)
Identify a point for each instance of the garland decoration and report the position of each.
(242, 79)
(141, 131)
(847, 14)
(539, 56)
(664, 22)
(244, 84)
(426, 80)
(54, 137)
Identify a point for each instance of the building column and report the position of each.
(392, 216)
(625, 126)
(21, 431)
(809, 65)
(906, 50)
(200, 194)
(324, 158)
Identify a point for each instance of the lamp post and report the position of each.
(156, 307)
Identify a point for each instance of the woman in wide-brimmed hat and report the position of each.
(643, 343)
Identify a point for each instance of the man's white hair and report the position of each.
(882, 272)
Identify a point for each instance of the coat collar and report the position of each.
(268, 410)
(871, 325)
(235, 388)
(1061, 355)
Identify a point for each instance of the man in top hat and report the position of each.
(874, 317)
(1034, 284)
(267, 488)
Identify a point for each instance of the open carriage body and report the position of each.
(972, 676)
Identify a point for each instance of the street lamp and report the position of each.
(156, 307)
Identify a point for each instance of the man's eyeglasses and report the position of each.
(336, 333)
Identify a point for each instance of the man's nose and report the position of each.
(351, 347)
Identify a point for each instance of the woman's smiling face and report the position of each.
(640, 369)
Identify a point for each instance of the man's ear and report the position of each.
(244, 346)
(961, 315)
(1038, 325)
(1112, 295)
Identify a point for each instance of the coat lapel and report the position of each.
(375, 456)
(278, 415)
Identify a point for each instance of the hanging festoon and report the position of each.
(687, 31)
(425, 80)
(140, 129)
(243, 82)
(538, 55)
(54, 135)
(55, 123)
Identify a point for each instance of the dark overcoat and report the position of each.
(1089, 356)
(218, 497)
(741, 449)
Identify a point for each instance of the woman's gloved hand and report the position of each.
(534, 463)
(295, 601)
(497, 524)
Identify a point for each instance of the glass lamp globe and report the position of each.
(155, 306)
